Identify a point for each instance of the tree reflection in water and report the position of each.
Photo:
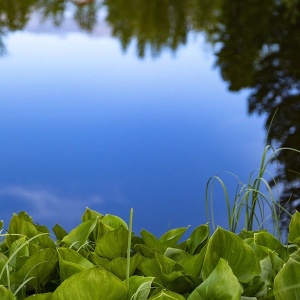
(256, 47)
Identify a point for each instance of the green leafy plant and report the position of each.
(101, 258)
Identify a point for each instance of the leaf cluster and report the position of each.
(102, 259)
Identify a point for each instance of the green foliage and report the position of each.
(101, 258)
(221, 284)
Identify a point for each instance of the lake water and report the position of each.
(87, 123)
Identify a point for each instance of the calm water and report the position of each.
(100, 111)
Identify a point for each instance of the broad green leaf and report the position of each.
(240, 256)
(198, 236)
(139, 287)
(18, 249)
(249, 234)
(171, 237)
(79, 235)
(152, 242)
(3, 264)
(270, 266)
(118, 265)
(71, 255)
(18, 228)
(151, 268)
(172, 275)
(260, 251)
(167, 273)
(59, 232)
(167, 265)
(90, 214)
(91, 284)
(193, 265)
(46, 296)
(296, 255)
(39, 266)
(176, 254)
(268, 240)
(98, 261)
(221, 284)
(294, 229)
(41, 228)
(167, 295)
(100, 230)
(145, 250)
(287, 281)
(113, 244)
(6, 294)
(21, 225)
(114, 221)
(257, 287)
(71, 262)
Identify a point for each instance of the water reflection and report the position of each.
(256, 47)
(260, 50)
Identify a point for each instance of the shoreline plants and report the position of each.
(102, 258)
(254, 202)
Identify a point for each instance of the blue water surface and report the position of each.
(84, 124)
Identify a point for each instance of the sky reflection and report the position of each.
(83, 124)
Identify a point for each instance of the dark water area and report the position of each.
(119, 104)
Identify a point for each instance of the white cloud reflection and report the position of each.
(46, 206)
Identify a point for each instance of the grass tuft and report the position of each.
(251, 200)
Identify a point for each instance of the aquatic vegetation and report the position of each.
(101, 258)
(252, 200)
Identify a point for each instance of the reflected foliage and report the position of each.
(259, 49)
(157, 25)
(256, 47)
(15, 14)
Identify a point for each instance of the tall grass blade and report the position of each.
(129, 248)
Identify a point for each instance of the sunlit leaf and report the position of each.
(198, 236)
(114, 221)
(221, 284)
(268, 240)
(152, 242)
(91, 284)
(5, 294)
(171, 237)
(39, 266)
(113, 244)
(167, 295)
(19, 228)
(90, 214)
(287, 281)
(46, 296)
(239, 255)
(118, 265)
(71, 262)
(270, 266)
(18, 249)
(139, 287)
(193, 265)
(176, 254)
(79, 235)
(59, 232)
(3, 264)
(294, 229)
